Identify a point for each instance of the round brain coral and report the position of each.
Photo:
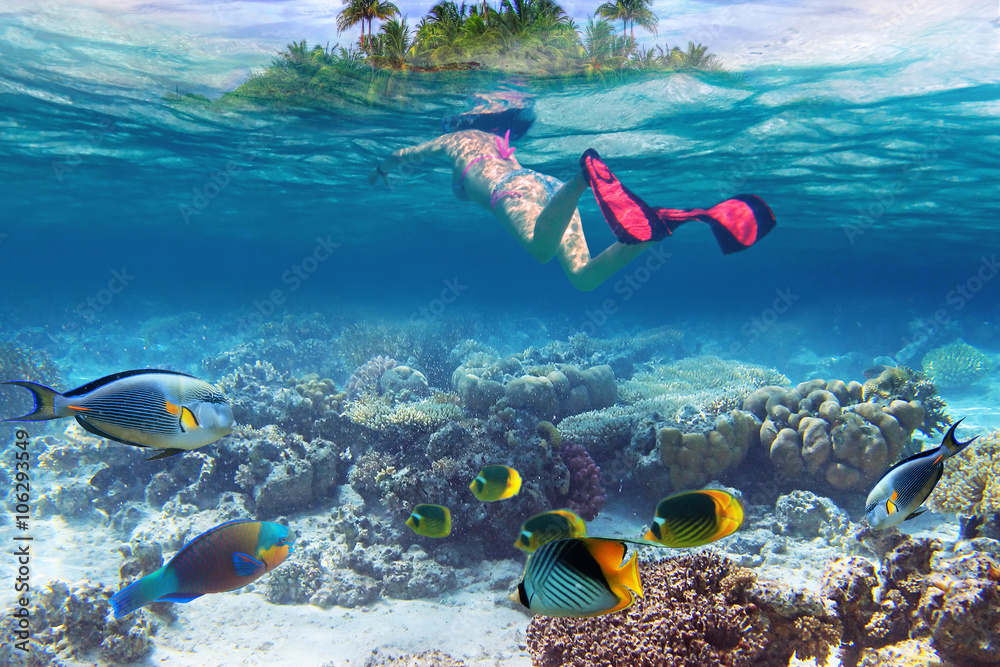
(696, 611)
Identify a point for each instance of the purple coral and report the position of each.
(586, 497)
(366, 377)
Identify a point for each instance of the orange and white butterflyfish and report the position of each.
(160, 409)
(548, 527)
(695, 518)
(496, 483)
(430, 521)
(579, 577)
(903, 488)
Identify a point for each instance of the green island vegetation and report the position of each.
(458, 47)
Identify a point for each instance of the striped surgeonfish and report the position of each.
(903, 488)
(579, 577)
(225, 558)
(146, 408)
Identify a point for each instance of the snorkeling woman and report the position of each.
(540, 211)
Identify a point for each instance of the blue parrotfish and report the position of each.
(903, 488)
(579, 577)
(225, 558)
(145, 408)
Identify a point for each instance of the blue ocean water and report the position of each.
(121, 211)
(880, 175)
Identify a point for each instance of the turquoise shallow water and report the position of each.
(877, 150)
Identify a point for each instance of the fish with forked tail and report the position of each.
(901, 491)
(145, 408)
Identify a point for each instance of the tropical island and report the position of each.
(461, 45)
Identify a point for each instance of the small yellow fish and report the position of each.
(695, 518)
(579, 577)
(496, 483)
(430, 521)
(548, 527)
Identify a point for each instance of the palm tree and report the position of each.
(629, 12)
(696, 57)
(364, 11)
(393, 45)
(353, 13)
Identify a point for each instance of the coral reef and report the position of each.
(956, 366)
(695, 458)
(907, 386)
(550, 391)
(875, 613)
(971, 480)
(696, 610)
(803, 514)
(824, 430)
(424, 343)
(73, 622)
(960, 609)
(262, 395)
(621, 354)
(584, 494)
(366, 377)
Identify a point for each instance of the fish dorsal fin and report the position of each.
(209, 532)
(91, 386)
(246, 566)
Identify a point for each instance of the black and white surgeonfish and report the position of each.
(579, 577)
(904, 487)
(145, 408)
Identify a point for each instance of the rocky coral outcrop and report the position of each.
(695, 458)
(825, 430)
(697, 610)
(73, 622)
(551, 391)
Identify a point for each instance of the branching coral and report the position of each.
(971, 480)
(956, 366)
(697, 610)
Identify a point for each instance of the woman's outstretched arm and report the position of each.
(411, 155)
